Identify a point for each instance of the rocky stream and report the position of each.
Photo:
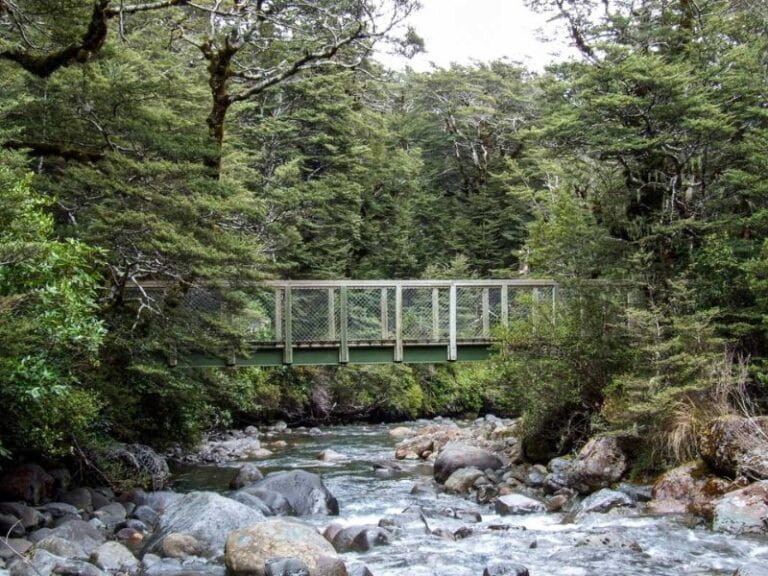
(430, 498)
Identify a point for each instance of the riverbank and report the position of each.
(393, 515)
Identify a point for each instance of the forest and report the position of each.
(221, 142)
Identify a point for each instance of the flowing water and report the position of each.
(618, 543)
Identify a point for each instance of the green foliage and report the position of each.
(49, 330)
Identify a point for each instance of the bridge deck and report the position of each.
(376, 321)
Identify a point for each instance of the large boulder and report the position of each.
(462, 480)
(114, 557)
(743, 511)
(30, 518)
(247, 474)
(605, 500)
(736, 446)
(207, 516)
(456, 456)
(248, 549)
(516, 504)
(27, 482)
(88, 537)
(689, 488)
(305, 492)
(600, 463)
(360, 538)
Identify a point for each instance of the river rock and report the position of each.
(401, 432)
(330, 455)
(638, 492)
(360, 538)
(285, 567)
(358, 569)
(605, 500)
(114, 557)
(736, 446)
(455, 456)
(743, 511)
(275, 502)
(11, 526)
(248, 549)
(12, 547)
(146, 514)
(74, 530)
(689, 488)
(256, 503)
(80, 498)
(26, 482)
(207, 516)
(517, 504)
(603, 462)
(61, 547)
(505, 569)
(111, 514)
(304, 491)
(247, 474)
(461, 480)
(30, 518)
(177, 545)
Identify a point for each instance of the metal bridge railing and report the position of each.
(393, 313)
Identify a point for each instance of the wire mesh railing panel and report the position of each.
(367, 310)
(469, 312)
(314, 314)
(258, 317)
(425, 314)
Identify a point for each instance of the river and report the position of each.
(622, 542)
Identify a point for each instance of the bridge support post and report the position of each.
(398, 323)
(452, 317)
(384, 315)
(343, 325)
(331, 314)
(435, 314)
(288, 330)
(505, 306)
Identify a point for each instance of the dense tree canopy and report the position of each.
(211, 143)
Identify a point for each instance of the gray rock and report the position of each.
(743, 511)
(12, 547)
(61, 510)
(513, 504)
(462, 480)
(132, 524)
(454, 456)
(253, 502)
(61, 547)
(158, 501)
(360, 538)
(505, 569)
(74, 530)
(638, 492)
(247, 474)
(80, 498)
(304, 491)
(111, 514)
(30, 518)
(276, 503)
(602, 461)
(736, 446)
(113, 557)
(358, 569)
(564, 473)
(146, 515)
(180, 546)
(207, 516)
(330, 455)
(248, 549)
(605, 500)
(285, 567)
(11, 526)
(536, 476)
(99, 498)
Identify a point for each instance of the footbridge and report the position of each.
(320, 322)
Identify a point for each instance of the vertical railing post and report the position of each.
(384, 315)
(435, 314)
(486, 311)
(288, 328)
(554, 304)
(343, 325)
(331, 314)
(398, 323)
(505, 305)
(278, 315)
(452, 317)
